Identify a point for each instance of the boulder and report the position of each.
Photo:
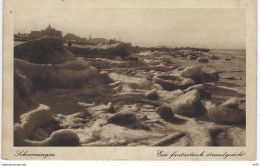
(196, 73)
(43, 51)
(123, 117)
(165, 112)
(62, 138)
(192, 57)
(202, 60)
(227, 112)
(188, 104)
(200, 87)
(193, 72)
(170, 82)
(152, 95)
(211, 77)
(231, 103)
(67, 75)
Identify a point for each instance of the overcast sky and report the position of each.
(204, 28)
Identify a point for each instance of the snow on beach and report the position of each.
(117, 95)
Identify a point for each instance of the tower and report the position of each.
(49, 27)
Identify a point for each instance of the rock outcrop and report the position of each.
(104, 51)
(188, 104)
(193, 72)
(67, 75)
(165, 112)
(170, 82)
(43, 51)
(199, 76)
(123, 117)
(152, 95)
(62, 138)
(227, 112)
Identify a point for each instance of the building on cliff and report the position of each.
(69, 37)
(49, 31)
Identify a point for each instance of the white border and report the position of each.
(154, 163)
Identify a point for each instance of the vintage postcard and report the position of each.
(129, 80)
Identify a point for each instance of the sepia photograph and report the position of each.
(128, 77)
(169, 78)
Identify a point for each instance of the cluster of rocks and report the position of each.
(191, 81)
(108, 49)
(46, 64)
(185, 78)
(166, 94)
(201, 57)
